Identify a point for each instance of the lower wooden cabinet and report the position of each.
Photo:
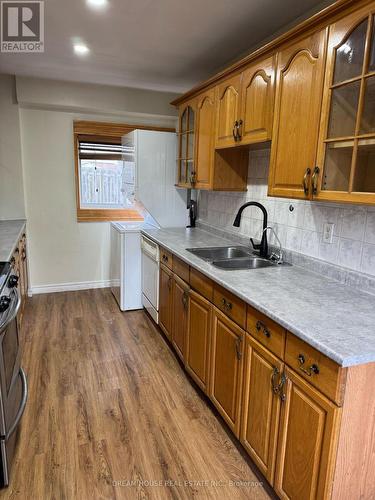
(199, 340)
(180, 301)
(263, 385)
(226, 368)
(165, 300)
(306, 447)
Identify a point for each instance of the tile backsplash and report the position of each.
(298, 223)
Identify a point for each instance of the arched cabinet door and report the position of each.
(227, 111)
(186, 145)
(257, 100)
(299, 89)
(347, 140)
(205, 133)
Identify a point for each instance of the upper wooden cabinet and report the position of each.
(228, 107)
(257, 101)
(347, 140)
(245, 106)
(186, 145)
(299, 88)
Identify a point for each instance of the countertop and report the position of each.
(334, 318)
(10, 233)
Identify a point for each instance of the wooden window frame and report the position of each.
(94, 131)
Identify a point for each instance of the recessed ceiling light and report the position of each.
(97, 4)
(81, 49)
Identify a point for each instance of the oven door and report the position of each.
(10, 358)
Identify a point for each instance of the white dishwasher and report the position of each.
(150, 277)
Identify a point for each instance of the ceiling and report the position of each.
(165, 45)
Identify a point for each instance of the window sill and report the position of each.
(92, 215)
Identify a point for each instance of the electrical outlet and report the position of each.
(328, 232)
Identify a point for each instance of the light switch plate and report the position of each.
(328, 232)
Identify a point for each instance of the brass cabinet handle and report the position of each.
(170, 282)
(239, 130)
(227, 305)
(305, 181)
(165, 258)
(184, 298)
(235, 130)
(314, 180)
(260, 326)
(311, 370)
(238, 348)
(278, 388)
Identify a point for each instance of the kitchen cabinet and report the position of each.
(226, 368)
(205, 151)
(186, 145)
(180, 302)
(299, 89)
(263, 384)
(257, 102)
(306, 448)
(228, 107)
(245, 106)
(199, 339)
(165, 300)
(347, 141)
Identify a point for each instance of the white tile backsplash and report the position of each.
(298, 223)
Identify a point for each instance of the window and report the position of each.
(105, 173)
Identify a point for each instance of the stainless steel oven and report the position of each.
(13, 382)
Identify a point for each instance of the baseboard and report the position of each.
(69, 287)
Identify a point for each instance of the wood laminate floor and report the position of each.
(111, 413)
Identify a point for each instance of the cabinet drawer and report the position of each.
(201, 284)
(231, 305)
(266, 331)
(180, 268)
(316, 368)
(166, 258)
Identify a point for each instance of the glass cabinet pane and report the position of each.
(337, 166)
(191, 118)
(190, 172)
(184, 122)
(368, 113)
(183, 146)
(190, 150)
(372, 53)
(364, 178)
(182, 171)
(343, 113)
(350, 54)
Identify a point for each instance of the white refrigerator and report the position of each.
(149, 179)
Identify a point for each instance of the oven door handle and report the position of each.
(21, 409)
(14, 313)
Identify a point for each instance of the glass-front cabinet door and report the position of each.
(346, 170)
(186, 140)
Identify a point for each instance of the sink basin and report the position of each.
(219, 253)
(243, 263)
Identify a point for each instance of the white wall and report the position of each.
(301, 230)
(11, 184)
(63, 252)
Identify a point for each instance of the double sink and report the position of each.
(232, 257)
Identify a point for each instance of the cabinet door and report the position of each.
(306, 447)
(257, 101)
(180, 303)
(226, 368)
(261, 406)
(198, 339)
(299, 88)
(228, 99)
(205, 135)
(347, 141)
(186, 145)
(165, 300)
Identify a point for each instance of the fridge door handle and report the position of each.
(21, 409)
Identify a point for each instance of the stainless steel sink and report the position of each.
(220, 253)
(243, 263)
